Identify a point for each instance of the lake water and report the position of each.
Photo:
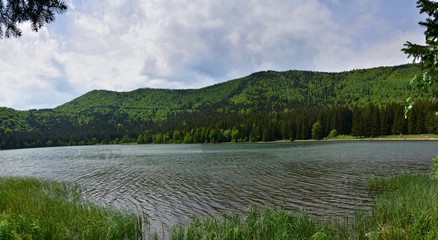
(169, 183)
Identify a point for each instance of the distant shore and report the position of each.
(420, 137)
(410, 137)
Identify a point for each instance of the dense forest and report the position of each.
(263, 106)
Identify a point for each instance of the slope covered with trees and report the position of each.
(259, 92)
(263, 106)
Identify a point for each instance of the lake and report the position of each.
(169, 183)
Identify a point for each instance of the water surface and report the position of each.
(169, 183)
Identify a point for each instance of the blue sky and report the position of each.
(123, 45)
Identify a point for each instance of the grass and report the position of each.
(265, 223)
(271, 223)
(34, 209)
(406, 207)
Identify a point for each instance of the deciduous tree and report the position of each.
(317, 130)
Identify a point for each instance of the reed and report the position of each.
(407, 208)
(34, 209)
(262, 223)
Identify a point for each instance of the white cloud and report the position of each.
(126, 44)
(385, 52)
(31, 76)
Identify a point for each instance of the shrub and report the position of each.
(317, 132)
(333, 134)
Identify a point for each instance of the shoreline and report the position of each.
(419, 137)
(412, 137)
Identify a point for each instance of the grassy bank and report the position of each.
(33, 209)
(406, 207)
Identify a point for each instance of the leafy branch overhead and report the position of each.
(426, 54)
(37, 12)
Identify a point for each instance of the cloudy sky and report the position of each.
(128, 44)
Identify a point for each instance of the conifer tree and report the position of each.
(426, 54)
(37, 12)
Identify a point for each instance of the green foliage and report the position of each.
(19, 227)
(265, 223)
(31, 209)
(317, 132)
(259, 92)
(13, 12)
(215, 127)
(333, 134)
(427, 54)
(406, 207)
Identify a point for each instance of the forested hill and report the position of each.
(265, 106)
(268, 91)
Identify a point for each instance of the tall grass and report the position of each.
(407, 208)
(258, 224)
(266, 223)
(33, 209)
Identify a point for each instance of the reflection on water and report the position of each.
(169, 183)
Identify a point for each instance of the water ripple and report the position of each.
(170, 183)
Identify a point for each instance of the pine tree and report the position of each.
(426, 54)
(38, 12)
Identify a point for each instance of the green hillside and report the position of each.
(268, 91)
(265, 105)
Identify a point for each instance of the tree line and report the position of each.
(206, 126)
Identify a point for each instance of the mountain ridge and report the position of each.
(260, 91)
